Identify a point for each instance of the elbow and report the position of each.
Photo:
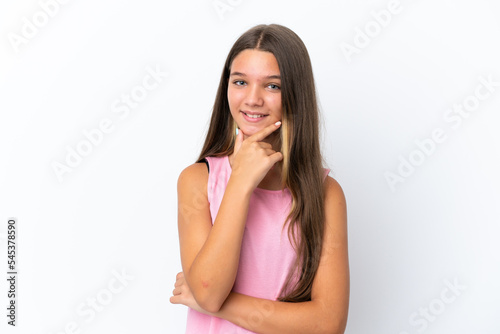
(332, 323)
(333, 326)
(333, 330)
(332, 319)
(209, 295)
(210, 305)
(208, 300)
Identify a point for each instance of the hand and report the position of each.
(253, 158)
(182, 294)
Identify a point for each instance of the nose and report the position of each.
(253, 97)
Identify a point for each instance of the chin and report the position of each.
(250, 130)
(255, 127)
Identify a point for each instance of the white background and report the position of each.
(116, 210)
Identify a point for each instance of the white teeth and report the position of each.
(254, 116)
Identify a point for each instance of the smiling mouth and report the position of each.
(254, 116)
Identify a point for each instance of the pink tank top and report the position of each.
(266, 252)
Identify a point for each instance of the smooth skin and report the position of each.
(255, 86)
(210, 253)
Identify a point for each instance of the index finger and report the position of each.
(264, 132)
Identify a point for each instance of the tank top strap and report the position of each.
(219, 174)
(326, 171)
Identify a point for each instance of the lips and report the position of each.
(253, 116)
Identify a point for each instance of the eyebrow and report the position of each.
(274, 76)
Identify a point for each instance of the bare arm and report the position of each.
(210, 254)
(327, 310)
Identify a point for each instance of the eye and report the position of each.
(274, 86)
(239, 82)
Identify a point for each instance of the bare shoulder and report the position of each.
(334, 194)
(194, 176)
(331, 284)
(335, 212)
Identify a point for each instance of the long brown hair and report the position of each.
(302, 163)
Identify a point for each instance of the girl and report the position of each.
(262, 227)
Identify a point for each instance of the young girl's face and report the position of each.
(254, 91)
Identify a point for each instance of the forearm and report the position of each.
(213, 272)
(266, 316)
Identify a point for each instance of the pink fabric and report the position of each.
(266, 252)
